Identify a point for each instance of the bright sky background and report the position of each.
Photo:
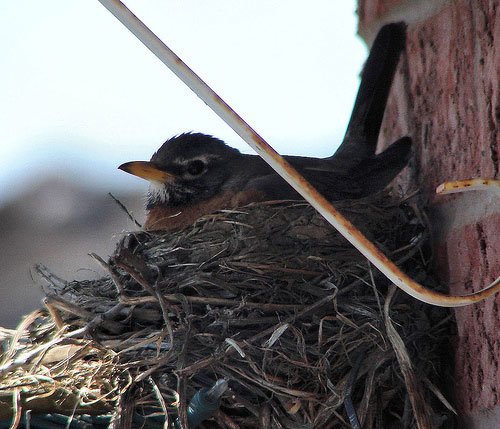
(80, 95)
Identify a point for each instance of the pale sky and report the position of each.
(80, 95)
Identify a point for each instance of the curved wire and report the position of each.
(285, 170)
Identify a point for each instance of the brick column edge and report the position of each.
(446, 96)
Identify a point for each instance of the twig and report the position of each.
(421, 409)
(181, 383)
(349, 406)
(219, 356)
(106, 266)
(202, 300)
(16, 406)
(122, 206)
(161, 400)
(55, 281)
(20, 331)
(439, 395)
(254, 266)
(54, 313)
(93, 320)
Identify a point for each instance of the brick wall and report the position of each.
(446, 96)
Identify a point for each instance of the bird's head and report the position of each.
(185, 169)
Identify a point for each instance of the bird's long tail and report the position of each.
(375, 173)
(360, 140)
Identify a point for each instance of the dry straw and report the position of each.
(269, 297)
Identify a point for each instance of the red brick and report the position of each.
(468, 261)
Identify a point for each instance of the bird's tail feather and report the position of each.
(362, 133)
(376, 172)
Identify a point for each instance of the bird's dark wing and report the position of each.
(369, 176)
(360, 140)
(332, 186)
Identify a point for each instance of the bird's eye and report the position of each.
(196, 167)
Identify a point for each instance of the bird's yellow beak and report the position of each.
(147, 170)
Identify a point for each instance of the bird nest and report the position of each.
(268, 297)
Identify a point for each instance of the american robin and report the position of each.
(194, 174)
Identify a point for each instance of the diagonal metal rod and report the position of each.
(285, 170)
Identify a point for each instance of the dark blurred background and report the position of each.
(80, 96)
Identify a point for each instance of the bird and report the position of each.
(194, 174)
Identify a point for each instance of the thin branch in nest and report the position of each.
(439, 395)
(273, 268)
(110, 271)
(349, 406)
(103, 319)
(54, 313)
(198, 300)
(19, 333)
(16, 406)
(159, 363)
(419, 404)
(59, 303)
(127, 212)
(181, 385)
(56, 284)
(161, 401)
